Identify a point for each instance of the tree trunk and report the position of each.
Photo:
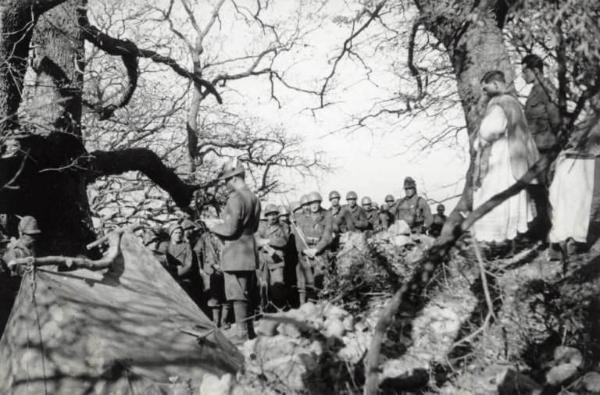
(474, 44)
(59, 197)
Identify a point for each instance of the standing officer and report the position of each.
(312, 236)
(272, 240)
(239, 222)
(413, 209)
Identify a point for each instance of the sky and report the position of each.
(374, 160)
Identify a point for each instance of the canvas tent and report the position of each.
(117, 332)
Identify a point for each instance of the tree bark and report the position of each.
(17, 19)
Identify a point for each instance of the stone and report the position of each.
(517, 383)
(560, 373)
(289, 330)
(591, 382)
(266, 327)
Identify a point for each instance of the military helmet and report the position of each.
(314, 197)
(270, 209)
(303, 200)
(295, 206)
(384, 207)
(365, 201)
(351, 195)
(334, 195)
(28, 225)
(409, 183)
(174, 227)
(389, 199)
(283, 210)
(231, 168)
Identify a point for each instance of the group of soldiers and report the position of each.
(263, 258)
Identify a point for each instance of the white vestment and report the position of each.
(512, 215)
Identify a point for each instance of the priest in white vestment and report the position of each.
(505, 151)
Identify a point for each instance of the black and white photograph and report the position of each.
(299, 197)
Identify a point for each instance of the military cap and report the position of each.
(351, 195)
(389, 199)
(231, 168)
(270, 209)
(409, 183)
(334, 195)
(28, 225)
(366, 201)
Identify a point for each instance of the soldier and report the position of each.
(371, 212)
(385, 218)
(357, 214)
(543, 120)
(312, 236)
(239, 257)
(413, 209)
(181, 261)
(284, 218)
(212, 275)
(157, 241)
(391, 203)
(439, 218)
(336, 211)
(12, 146)
(304, 205)
(26, 245)
(272, 240)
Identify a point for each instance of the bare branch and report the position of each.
(348, 46)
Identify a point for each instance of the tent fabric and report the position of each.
(119, 332)
(575, 198)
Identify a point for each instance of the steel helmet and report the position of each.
(351, 195)
(314, 197)
(295, 206)
(334, 195)
(174, 227)
(231, 168)
(365, 201)
(389, 199)
(28, 225)
(409, 183)
(270, 209)
(283, 210)
(303, 200)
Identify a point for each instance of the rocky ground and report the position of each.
(541, 335)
